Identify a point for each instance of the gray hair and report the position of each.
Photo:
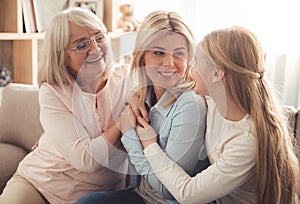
(53, 68)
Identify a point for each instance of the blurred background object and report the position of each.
(127, 22)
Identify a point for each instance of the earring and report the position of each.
(216, 74)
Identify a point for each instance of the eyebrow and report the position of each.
(161, 48)
(84, 38)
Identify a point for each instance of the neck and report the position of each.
(228, 108)
(159, 91)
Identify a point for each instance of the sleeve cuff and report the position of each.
(131, 141)
(129, 135)
(152, 149)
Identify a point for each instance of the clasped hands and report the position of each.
(136, 117)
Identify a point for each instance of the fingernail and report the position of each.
(126, 103)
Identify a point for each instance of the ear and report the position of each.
(218, 74)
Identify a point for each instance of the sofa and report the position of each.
(20, 127)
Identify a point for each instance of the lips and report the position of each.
(93, 59)
(166, 73)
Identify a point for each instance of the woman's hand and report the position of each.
(127, 119)
(138, 107)
(145, 132)
(112, 134)
(35, 145)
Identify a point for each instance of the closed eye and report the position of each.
(179, 53)
(82, 45)
(99, 38)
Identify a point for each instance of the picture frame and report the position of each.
(96, 6)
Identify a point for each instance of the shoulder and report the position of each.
(118, 75)
(47, 89)
(190, 98)
(241, 137)
(51, 92)
(120, 71)
(191, 106)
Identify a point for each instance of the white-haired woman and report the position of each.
(76, 154)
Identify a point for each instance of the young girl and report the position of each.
(247, 140)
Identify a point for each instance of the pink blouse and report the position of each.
(73, 158)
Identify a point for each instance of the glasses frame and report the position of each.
(89, 43)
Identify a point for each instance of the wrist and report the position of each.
(146, 143)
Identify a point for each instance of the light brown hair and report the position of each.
(239, 53)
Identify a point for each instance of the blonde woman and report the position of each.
(74, 156)
(162, 70)
(247, 140)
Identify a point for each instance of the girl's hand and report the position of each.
(127, 119)
(145, 132)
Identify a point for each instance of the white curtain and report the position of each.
(283, 70)
(275, 22)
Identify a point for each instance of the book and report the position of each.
(33, 15)
(28, 16)
(45, 10)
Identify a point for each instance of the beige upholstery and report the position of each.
(293, 116)
(20, 126)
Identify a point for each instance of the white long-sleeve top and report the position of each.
(231, 150)
(73, 158)
(181, 129)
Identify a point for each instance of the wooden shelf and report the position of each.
(21, 36)
(23, 56)
(20, 49)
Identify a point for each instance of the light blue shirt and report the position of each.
(180, 128)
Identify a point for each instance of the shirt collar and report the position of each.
(159, 106)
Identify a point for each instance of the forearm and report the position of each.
(138, 159)
(112, 134)
(135, 152)
(225, 175)
(173, 177)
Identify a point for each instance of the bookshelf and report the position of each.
(23, 61)
(20, 50)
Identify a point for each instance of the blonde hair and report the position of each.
(239, 52)
(154, 26)
(53, 68)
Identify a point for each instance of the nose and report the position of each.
(168, 60)
(94, 46)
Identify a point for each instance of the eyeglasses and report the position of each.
(84, 45)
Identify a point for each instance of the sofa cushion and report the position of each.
(297, 132)
(19, 115)
(290, 113)
(11, 156)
